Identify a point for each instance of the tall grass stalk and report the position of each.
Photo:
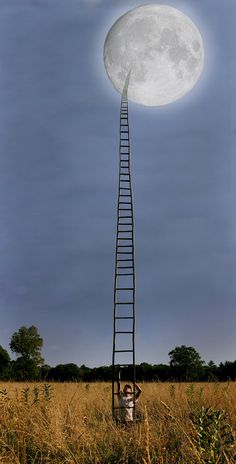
(70, 423)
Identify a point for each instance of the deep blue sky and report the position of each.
(59, 122)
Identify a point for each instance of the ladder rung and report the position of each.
(125, 203)
(125, 188)
(123, 238)
(124, 317)
(124, 246)
(124, 252)
(120, 260)
(126, 274)
(125, 194)
(123, 351)
(120, 231)
(127, 288)
(124, 231)
(125, 223)
(124, 332)
(125, 217)
(124, 303)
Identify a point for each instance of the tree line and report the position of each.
(185, 364)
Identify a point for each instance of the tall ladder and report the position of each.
(124, 283)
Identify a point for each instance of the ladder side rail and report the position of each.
(124, 150)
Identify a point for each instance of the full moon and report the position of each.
(160, 47)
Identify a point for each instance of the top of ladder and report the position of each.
(126, 85)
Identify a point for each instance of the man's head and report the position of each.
(127, 390)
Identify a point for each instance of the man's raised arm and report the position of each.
(139, 391)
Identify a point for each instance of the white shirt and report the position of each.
(127, 405)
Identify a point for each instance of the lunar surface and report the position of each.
(161, 47)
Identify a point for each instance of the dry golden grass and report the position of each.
(71, 423)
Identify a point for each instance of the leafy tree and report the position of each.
(27, 344)
(4, 362)
(186, 363)
(24, 369)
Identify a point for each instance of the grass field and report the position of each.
(71, 423)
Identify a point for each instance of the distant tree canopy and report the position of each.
(65, 372)
(185, 365)
(27, 344)
(186, 362)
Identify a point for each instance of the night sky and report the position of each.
(59, 136)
